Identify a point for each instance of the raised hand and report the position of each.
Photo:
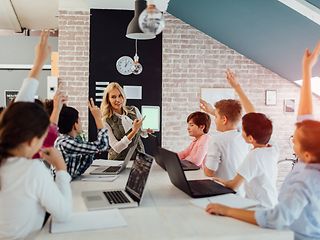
(231, 78)
(96, 113)
(207, 107)
(310, 58)
(59, 99)
(42, 51)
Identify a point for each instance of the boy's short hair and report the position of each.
(309, 138)
(258, 126)
(230, 108)
(67, 118)
(200, 118)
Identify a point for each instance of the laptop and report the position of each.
(115, 170)
(131, 196)
(194, 188)
(186, 165)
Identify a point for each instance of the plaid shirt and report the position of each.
(79, 154)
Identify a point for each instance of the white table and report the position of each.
(165, 213)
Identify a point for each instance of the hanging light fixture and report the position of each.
(133, 29)
(151, 20)
(136, 67)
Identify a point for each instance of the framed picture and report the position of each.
(289, 105)
(9, 96)
(271, 97)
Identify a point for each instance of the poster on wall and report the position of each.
(9, 95)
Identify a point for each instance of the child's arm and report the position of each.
(96, 113)
(29, 87)
(200, 153)
(42, 51)
(58, 100)
(183, 154)
(246, 103)
(240, 214)
(309, 60)
(233, 184)
(292, 203)
(207, 107)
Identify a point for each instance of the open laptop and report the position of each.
(115, 170)
(154, 143)
(194, 188)
(131, 196)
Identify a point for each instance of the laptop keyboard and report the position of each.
(116, 197)
(112, 169)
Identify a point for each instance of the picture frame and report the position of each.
(9, 96)
(289, 105)
(271, 97)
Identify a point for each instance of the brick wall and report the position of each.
(191, 61)
(73, 50)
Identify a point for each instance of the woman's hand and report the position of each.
(136, 125)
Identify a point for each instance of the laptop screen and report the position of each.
(138, 176)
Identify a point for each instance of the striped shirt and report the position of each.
(79, 154)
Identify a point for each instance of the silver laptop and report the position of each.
(115, 170)
(129, 197)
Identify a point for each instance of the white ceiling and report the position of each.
(42, 14)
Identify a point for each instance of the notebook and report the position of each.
(85, 221)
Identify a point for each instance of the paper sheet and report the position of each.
(93, 220)
(230, 200)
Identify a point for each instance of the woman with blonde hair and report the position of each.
(123, 122)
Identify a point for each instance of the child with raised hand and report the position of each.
(53, 108)
(27, 189)
(198, 127)
(258, 171)
(79, 154)
(299, 196)
(227, 148)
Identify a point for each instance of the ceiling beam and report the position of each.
(304, 8)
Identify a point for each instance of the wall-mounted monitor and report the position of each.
(152, 119)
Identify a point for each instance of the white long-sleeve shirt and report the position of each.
(27, 189)
(27, 192)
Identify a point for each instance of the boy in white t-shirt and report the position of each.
(227, 148)
(259, 170)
